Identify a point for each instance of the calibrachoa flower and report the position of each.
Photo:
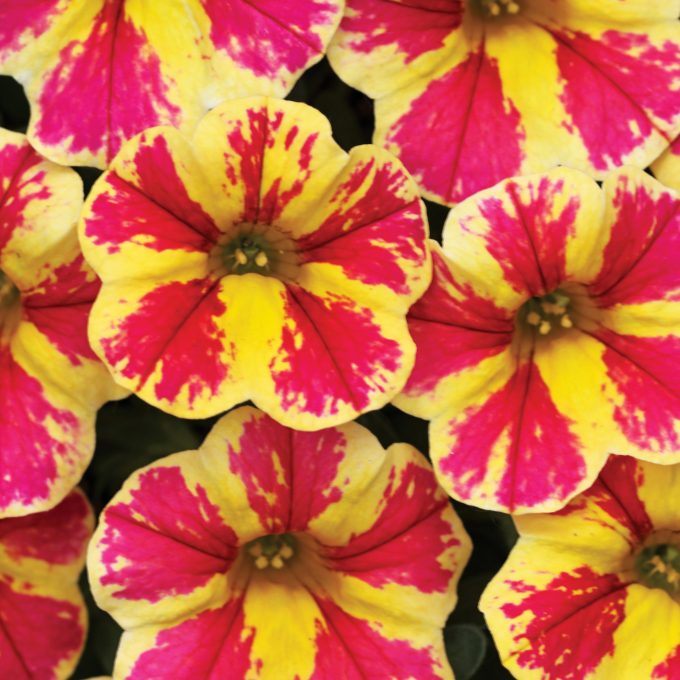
(51, 383)
(256, 261)
(138, 64)
(549, 337)
(469, 92)
(274, 553)
(43, 619)
(667, 167)
(593, 591)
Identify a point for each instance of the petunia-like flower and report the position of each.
(549, 337)
(278, 554)
(666, 168)
(593, 591)
(98, 72)
(259, 261)
(51, 383)
(43, 619)
(469, 92)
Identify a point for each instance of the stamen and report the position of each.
(658, 566)
(261, 259)
(271, 551)
(240, 256)
(533, 318)
(261, 562)
(496, 8)
(566, 322)
(544, 328)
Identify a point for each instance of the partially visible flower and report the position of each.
(469, 92)
(259, 261)
(42, 614)
(593, 591)
(51, 383)
(550, 337)
(276, 554)
(666, 168)
(98, 72)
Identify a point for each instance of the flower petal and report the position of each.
(43, 615)
(173, 62)
(571, 571)
(386, 553)
(153, 229)
(455, 92)
(667, 167)
(51, 383)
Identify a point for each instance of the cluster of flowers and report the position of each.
(232, 251)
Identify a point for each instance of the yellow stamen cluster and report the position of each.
(548, 312)
(658, 566)
(248, 253)
(496, 8)
(271, 551)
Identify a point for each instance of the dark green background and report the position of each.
(131, 434)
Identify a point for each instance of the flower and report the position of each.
(256, 261)
(51, 383)
(470, 92)
(42, 612)
(549, 337)
(667, 167)
(593, 591)
(134, 65)
(206, 557)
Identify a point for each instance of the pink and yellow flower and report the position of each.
(133, 65)
(43, 619)
(469, 92)
(593, 591)
(274, 553)
(259, 261)
(550, 337)
(666, 168)
(51, 383)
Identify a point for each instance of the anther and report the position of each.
(255, 550)
(261, 259)
(566, 322)
(544, 328)
(512, 8)
(261, 562)
(286, 552)
(533, 318)
(277, 562)
(240, 256)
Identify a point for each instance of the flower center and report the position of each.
(10, 308)
(255, 249)
(492, 9)
(272, 551)
(548, 314)
(658, 566)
